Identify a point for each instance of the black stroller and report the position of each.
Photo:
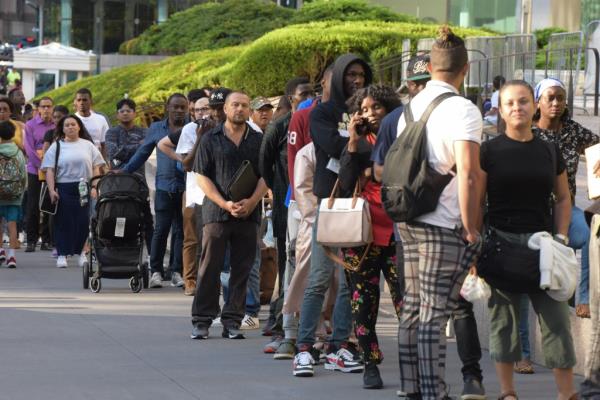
(117, 232)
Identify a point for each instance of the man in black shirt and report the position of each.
(222, 151)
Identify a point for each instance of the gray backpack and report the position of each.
(410, 187)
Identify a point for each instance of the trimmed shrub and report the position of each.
(261, 68)
(305, 50)
(542, 36)
(232, 22)
(210, 26)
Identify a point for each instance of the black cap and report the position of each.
(218, 96)
(417, 68)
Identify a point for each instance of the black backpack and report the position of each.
(410, 187)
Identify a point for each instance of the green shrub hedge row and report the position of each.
(232, 22)
(261, 68)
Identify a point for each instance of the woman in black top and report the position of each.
(522, 173)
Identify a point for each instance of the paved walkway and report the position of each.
(58, 341)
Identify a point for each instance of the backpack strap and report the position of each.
(436, 102)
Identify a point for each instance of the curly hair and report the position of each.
(384, 95)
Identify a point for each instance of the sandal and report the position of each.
(524, 367)
(504, 396)
(583, 310)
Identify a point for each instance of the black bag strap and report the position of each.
(436, 102)
(56, 159)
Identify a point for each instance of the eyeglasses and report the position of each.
(202, 110)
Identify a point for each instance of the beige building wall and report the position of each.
(566, 14)
(434, 10)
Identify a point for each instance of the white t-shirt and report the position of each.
(455, 119)
(96, 126)
(76, 160)
(494, 100)
(187, 138)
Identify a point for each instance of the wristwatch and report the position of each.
(559, 237)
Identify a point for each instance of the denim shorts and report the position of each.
(11, 213)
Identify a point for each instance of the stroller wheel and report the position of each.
(135, 284)
(86, 275)
(95, 284)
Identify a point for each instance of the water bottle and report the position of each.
(83, 192)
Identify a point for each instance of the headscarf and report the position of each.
(545, 84)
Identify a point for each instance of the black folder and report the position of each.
(243, 183)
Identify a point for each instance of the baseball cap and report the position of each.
(417, 68)
(259, 102)
(218, 96)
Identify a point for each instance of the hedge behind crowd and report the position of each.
(260, 68)
(231, 22)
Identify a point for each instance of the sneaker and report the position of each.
(45, 246)
(303, 364)
(250, 322)
(82, 260)
(217, 321)
(61, 262)
(30, 248)
(408, 396)
(54, 253)
(189, 291)
(473, 390)
(273, 345)
(199, 332)
(343, 360)
(2, 255)
(285, 351)
(156, 280)
(176, 280)
(371, 377)
(12, 262)
(232, 333)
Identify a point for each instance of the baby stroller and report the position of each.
(116, 232)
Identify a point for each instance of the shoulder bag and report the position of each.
(45, 202)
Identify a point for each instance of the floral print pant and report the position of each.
(364, 288)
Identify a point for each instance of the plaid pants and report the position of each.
(435, 265)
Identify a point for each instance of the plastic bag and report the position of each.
(474, 288)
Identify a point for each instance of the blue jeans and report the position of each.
(524, 327)
(321, 271)
(253, 289)
(167, 210)
(579, 238)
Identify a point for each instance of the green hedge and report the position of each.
(261, 68)
(232, 22)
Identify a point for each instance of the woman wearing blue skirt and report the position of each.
(78, 160)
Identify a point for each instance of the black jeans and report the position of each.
(467, 339)
(241, 237)
(32, 222)
(275, 322)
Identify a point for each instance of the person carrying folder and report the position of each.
(230, 215)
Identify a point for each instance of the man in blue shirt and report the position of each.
(169, 188)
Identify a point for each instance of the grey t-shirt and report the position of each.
(76, 160)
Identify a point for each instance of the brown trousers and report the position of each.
(241, 237)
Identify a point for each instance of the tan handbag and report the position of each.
(344, 222)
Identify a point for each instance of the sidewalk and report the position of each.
(58, 341)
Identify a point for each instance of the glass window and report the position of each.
(44, 81)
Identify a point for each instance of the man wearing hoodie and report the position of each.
(328, 130)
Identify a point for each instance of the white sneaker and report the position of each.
(82, 260)
(176, 279)
(250, 322)
(217, 321)
(61, 262)
(156, 280)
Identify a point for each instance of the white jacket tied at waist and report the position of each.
(558, 266)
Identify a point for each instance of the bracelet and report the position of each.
(559, 237)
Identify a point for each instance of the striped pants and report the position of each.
(435, 265)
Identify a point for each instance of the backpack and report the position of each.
(410, 186)
(12, 184)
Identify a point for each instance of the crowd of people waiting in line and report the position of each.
(312, 147)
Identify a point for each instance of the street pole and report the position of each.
(41, 22)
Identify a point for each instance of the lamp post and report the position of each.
(38, 6)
